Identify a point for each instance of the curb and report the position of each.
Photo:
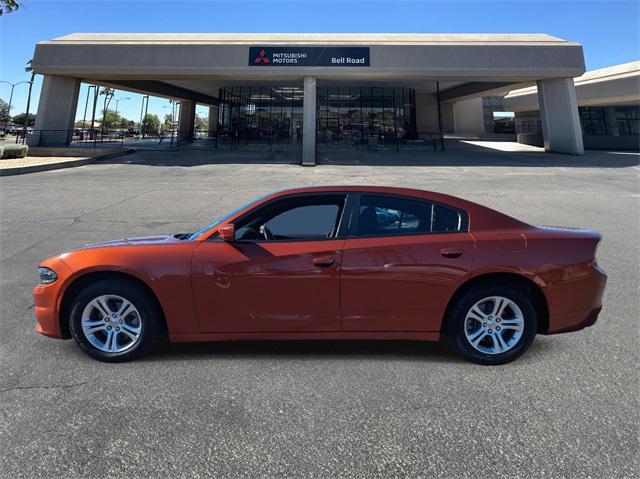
(21, 170)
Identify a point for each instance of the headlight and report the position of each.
(46, 275)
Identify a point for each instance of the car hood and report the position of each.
(135, 241)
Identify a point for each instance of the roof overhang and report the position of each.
(496, 59)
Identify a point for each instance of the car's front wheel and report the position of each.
(492, 324)
(115, 321)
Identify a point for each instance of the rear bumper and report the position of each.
(576, 303)
(589, 320)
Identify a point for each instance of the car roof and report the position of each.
(417, 193)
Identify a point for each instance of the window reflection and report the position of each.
(349, 116)
(353, 116)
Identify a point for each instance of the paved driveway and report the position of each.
(568, 408)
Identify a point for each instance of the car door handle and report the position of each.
(451, 252)
(323, 261)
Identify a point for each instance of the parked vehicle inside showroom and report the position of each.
(341, 262)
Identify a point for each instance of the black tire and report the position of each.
(150, 318)
(456, 323)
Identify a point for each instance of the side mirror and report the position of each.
(227, 232)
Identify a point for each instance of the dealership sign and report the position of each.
(309, 56)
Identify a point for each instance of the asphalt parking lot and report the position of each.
(568, 408)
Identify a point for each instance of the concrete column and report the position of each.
(213, 121)
(426, 113)
(469, 117)
(309, 122)
(186, 121)
(559, 116)
(56, 111)
(449, 117)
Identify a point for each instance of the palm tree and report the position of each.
(8, 6)
(108, 95)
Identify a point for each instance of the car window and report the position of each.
(314, 217)
(312, 221)
(445, 219)
(390, 215)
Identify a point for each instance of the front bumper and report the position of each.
(46, 311)
(47, 299)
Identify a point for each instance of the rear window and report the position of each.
(390, 215)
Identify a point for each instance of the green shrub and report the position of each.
(1, 151)
(14, 151)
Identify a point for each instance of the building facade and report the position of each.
(316, 88)
(608, 106)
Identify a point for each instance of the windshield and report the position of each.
(222, 219)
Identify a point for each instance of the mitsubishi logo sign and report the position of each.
(262, 57)
(309, 56)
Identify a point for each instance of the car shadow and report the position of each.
(393, 350)
(308, 349)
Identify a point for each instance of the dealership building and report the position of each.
(608, 106)
(317, 89)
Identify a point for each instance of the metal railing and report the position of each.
(78, 138)
(416, 141)
(235, 140)
(224, 140)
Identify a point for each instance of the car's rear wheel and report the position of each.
(115, 321)
(492, 324)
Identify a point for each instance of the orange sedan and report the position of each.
(330, 263)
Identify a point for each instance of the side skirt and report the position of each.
(337, 335)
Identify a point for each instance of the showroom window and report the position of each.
(592, 120)
(628, 120)
(352, 116)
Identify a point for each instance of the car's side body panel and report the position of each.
(401, 283)
(163, 264)
(561, 262)
(267, 286)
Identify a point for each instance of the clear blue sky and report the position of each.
(608, 30)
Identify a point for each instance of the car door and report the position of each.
(402, 261)
(280, 274)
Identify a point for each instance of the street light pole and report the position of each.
(86, 104)
(93, 112)
(144, 99)
(118, 100)
(13, 85)
(26, 121)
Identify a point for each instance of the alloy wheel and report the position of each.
(111, 323)
(494, 325)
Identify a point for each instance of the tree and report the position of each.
(8, 6)
(150, 124)
(19, 119)
(168, 122)
(108, 95)
(202, 123)
(111, 119)
(124, 123)
(4, 111)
